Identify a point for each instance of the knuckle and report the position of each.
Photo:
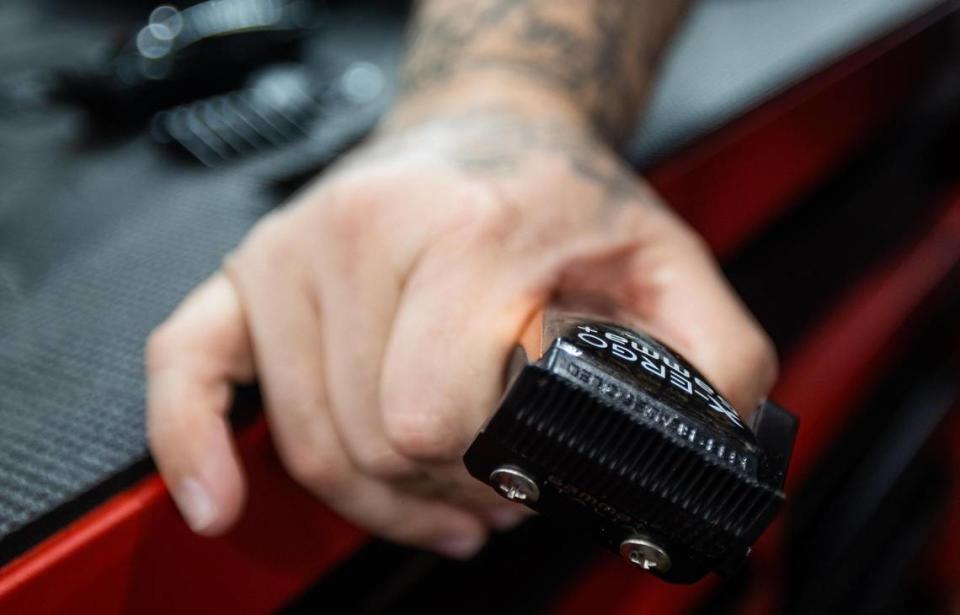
(479, 218)
(321, 473)
(421, 434)
(162, 344)
(490, 222)
(381, 461)
(167, 431)
(347, 209)
(269, 241)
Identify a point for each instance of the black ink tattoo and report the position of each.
(599, 53)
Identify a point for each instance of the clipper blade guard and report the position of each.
(615, 434)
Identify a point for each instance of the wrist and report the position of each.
(493, 90)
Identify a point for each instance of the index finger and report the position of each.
(192, 361)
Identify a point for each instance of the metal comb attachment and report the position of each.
(277, 108)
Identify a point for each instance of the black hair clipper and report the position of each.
(616, 434)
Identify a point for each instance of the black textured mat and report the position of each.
(98, 242)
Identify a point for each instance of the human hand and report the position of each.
(378, 310)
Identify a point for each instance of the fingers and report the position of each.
(443, 374)
(428, 523)
(192, 362)
(285, 327)
(361, 287)
(443, 369)
(378, 367)
(363, 263)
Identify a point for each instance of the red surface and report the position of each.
(858, 342)
(133, 553)
(823, 381)
(734, 182)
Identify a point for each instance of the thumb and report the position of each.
(694, 309)
(672, 287)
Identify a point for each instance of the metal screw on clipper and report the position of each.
(514, 485)
(642, 552)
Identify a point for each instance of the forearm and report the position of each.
(590, 59)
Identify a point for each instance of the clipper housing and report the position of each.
(616, 435)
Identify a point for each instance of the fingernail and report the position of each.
(460, 547)
(506, 518)
(195, 504)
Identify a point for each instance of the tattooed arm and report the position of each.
(595, 55)
(379, 308)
